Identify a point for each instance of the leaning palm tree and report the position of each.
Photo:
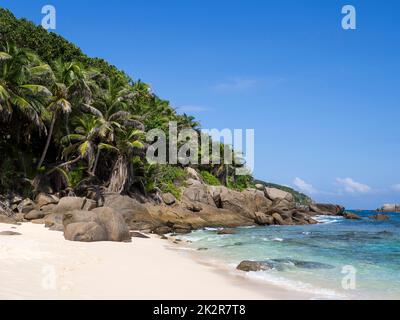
(84, 142)
(19, 91)
(66, 76)
(128, 143)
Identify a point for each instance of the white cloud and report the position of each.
(396, 187)
(192, 108)
(236, 85)
(242, 84)
(351, 186)
(304, 186)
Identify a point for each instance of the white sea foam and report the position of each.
(328, 219)
(280, 281)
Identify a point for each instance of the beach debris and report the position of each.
(135, 234)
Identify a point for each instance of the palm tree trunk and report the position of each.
(68, 163)
(120, 176)
(96, 161)
(46, 148)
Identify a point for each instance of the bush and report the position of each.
(171, 180)
(210, 179)
(241, 183)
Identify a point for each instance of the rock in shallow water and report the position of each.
(226, 232)
(253, 266)
(380, 217)
(303, 264)
(351, 216)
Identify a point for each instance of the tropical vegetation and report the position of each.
(69, 123)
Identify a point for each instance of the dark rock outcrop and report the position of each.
(326, 209)
(351, 216)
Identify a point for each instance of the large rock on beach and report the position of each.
(111, 221)
(136, 214)
(85, 232)
(7, 220)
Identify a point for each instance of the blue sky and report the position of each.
(324, 102)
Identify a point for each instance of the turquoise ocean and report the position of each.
(317, 259)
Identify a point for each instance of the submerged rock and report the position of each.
(381, 217)
(303, 264)
(226, 232)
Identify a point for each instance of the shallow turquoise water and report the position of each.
(312, 258)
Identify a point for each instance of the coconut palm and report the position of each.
(84, 142)
(72, 85)
(129, 143)
(19, 90)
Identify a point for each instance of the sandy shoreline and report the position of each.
(40, 264)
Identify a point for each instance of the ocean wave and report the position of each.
(328, 219)
(289, 284)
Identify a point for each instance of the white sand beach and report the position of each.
(40, 264)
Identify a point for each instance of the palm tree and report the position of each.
(19, 92)
(110, 108)
(84, 142)
(72, 85)
(128, 142)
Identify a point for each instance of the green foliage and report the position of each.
(70, 119)
(47, 45)
(171, 179)
(209, 178)
(241, 183)
(7, 175)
